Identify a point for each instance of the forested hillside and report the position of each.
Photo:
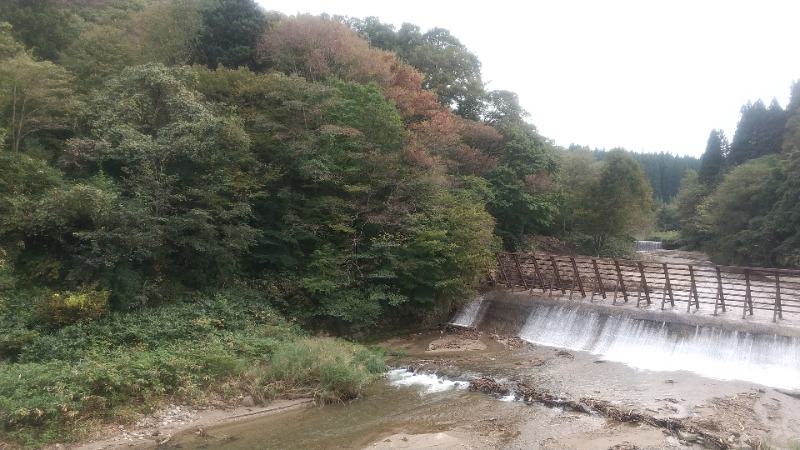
(353, 179)
(742, 205)
(181, 175)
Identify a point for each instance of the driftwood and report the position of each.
(588, 405)
(488, 386)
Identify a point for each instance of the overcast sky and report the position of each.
(643, 75)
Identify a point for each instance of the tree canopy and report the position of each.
(357, 174)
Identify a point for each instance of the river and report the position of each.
(733, 402)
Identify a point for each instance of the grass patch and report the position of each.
(328, 369)
(116, 368)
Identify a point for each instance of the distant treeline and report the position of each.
(663, 170)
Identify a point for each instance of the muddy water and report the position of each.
(354, 424)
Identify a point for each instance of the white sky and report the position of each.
(640, 74)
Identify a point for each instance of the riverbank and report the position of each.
(626, 408)
(158, 428)
(701, 412)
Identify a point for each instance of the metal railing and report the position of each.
(723, 287)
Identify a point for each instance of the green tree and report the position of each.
(502, 107)
(739, 231)
(166, 32)
(691, 211)
(181, 175)
(791, 140)
(35, 97)
(99, 53)
(377, 34)
(364, 108)
(713, 159)
(9, 46)
(620, 204)
(450, 69)
(579, 172)
(231, 30)
(25, 183)
(45, 26)
(524, 198)
(758, 133)
(784, 218)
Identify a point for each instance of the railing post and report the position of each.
(644, 284)
(778, 312)
(538, 274)
(501, 263)
(577, 275)
(519, 270)
(556, 274)
(693, 291)
(599, 280)
(667, 287)
(748, 296)
(720, 294)
(621, 282)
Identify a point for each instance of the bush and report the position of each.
(59, 309)
(12, 342)
(325, 368)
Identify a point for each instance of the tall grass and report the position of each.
(325, 368)
(119, 367)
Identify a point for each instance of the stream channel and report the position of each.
(726, 387)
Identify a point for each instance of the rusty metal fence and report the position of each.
(725, 288)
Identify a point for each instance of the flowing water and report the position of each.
(413, 403)
(771, 360)
(429, 406)
(470, 314)
(647, 246)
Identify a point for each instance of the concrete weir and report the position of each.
(647, 339)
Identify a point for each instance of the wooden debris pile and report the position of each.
(488, 386)
(683, 428)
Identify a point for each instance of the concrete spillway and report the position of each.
(648, 340)
(647, 246)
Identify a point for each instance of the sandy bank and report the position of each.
(159, 428)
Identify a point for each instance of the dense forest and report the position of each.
(741, 206)
(188, 187)
(356, 171)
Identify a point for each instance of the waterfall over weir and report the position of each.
(647, 246)
(712, 351)
(470, 314)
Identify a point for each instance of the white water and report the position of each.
(468, 315)
(428, 383)
(647, 246)
(770, 360)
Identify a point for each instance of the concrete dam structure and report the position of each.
(645, 338)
